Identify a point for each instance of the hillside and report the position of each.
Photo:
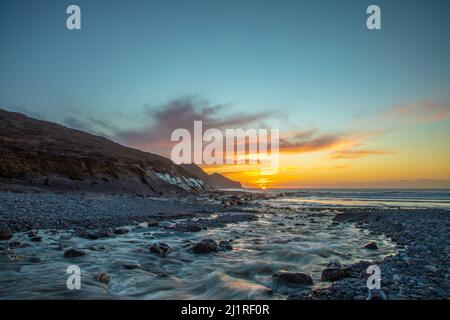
(215, 180)
(42, 153)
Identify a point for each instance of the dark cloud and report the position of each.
(181, 113)
(309, 141)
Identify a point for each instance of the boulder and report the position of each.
(292, 278)
(120, 231)
(225, 245)
(130, 264)
(332, 275)
(103, 278)
(160, 248)
(333, 272)
(5, 232)
(104, 233)
(36, 239)
(84, 233)
(376, 294)
(34, 259)
(206, 246)
(152, 223)
(73, 253)
(371, 245)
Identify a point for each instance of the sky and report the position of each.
(355, 107)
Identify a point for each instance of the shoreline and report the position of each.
(418, 271)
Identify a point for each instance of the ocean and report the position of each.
(387, 198)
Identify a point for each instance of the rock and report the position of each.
(396, 278)
(225, 245)
(153, 223)
(356, 269)
(5, 232)
(103, 278)
(206, 246)
(73, 253)
(130, 264)
(376, 294)
(104, 233)
(292, 278)
(31, 233)
(15, 244)
(187, 227)
(36, 239)
(84, 233)
(371, 245)
(333, 272)
(34, 259)
(161, 248)
(120, 231)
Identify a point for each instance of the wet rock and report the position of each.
(130, 264)
(332, 275)
(12, 256)
(371, 245)
(225, 245)
(357, 269)
(104, 233)
(84, 233)
(34, 259)
(292, 278)
(120, 231)
(376, 294)
(206, 246)
(333, 272)
(15, 244)
(5, 232)
(73, 253)
(103, 278)
(36, 239)
(153, 223)
(161, 248)
(188, 227)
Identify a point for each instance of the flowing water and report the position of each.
(285, 237)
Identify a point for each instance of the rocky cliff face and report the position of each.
(47, 154)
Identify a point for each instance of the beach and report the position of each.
(220, 245)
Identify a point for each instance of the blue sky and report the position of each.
(303, 58)
(309, 65)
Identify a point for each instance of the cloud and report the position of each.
(313, 141)
(419, 112)
(181, 113)
(309, 141)
(356, 154)
(339, 145)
